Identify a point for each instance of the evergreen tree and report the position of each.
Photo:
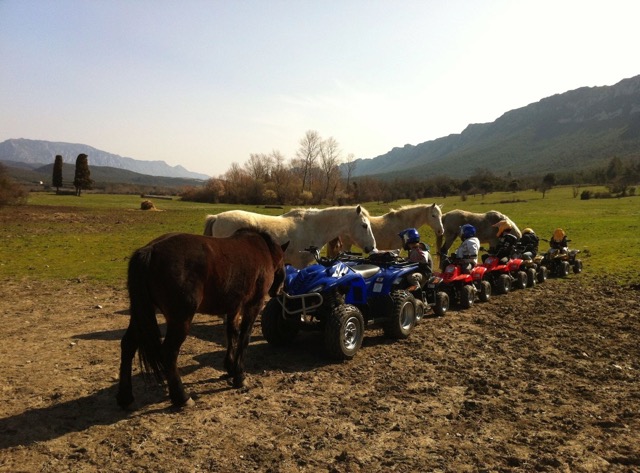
(57, 173)
(82, 179)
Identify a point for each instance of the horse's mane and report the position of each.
(405, 207)
(301, 211)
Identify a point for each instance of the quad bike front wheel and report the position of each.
(276, 329)
(343, 332)
(520, 280)
(542, 274)
(403, 319)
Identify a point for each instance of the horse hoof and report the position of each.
(126, 403)
(185, 405)
(189, 403)
(239, 383)
(128, 407)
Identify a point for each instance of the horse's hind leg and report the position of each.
(232, 324)
(128, 347)
(236, 351)
(177, 331)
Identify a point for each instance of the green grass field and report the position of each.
(91, 237)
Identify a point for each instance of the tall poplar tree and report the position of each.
(82, 179)
(56, 181)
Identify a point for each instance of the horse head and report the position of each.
(434, 214)
(361, 230)
(279, 272)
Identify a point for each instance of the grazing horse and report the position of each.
(387, 226)
(485, 231)
(302, 227)
(181, 274)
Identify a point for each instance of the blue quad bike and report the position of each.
(342, 296)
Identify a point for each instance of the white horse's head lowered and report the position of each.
(434, 218)
(361, 231)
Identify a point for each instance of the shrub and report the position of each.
(11, 193)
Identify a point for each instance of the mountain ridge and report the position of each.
(582, 127)
(44, 152)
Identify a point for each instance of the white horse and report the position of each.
(302, 227)
(387, 226)
(485, 231)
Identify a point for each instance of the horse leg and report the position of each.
(449, 238)
(232, 324)
(177, 331)
(246, 326)
(128, 347)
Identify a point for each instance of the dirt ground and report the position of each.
(539, 380)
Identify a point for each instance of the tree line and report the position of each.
(314, 177)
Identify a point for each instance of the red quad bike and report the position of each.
(505, 276)
(462, 288)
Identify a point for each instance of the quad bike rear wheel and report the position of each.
(420, 310)
(403, 319)
(467, 296)
(503, 284)
(442, 304)
(577, 266)
(343, 332)
(484, 294)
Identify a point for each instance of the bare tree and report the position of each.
(307, 155)
(351, 167)
(282, 179)
(236, 184)
(329, 162)
(258, 166)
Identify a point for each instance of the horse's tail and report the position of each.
(515, 228)
(208, 225)
(143, 315)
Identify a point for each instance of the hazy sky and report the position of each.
(206, 83)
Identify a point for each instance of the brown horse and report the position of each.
(181, 274)
(485, 231)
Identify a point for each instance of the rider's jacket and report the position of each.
(505, 245)
(468, 250)
(529, 242)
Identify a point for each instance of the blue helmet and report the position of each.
(467, 231)
(410, 235)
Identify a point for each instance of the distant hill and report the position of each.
(37, 153)
(579, 129)
(102, 175)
